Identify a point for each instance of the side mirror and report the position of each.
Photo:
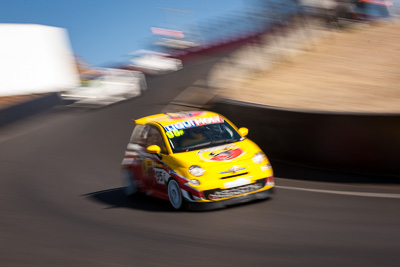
(153, 149)
(243, 131)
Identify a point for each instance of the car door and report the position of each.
(155, 172)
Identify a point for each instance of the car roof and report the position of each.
(169, 118)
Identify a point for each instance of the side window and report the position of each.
(154, 137)
(139, 135)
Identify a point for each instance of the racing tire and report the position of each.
(130, 187)
(175, 194)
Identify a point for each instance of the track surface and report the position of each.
(62, 205)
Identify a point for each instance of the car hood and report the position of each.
(217, 156)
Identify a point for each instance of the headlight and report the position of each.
(266, 167)
(259, 157)
(196, 170)
(194, 182)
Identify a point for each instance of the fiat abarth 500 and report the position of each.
(195, 160)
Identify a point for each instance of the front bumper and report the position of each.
(202, 206)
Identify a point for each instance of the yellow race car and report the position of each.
(197, 160)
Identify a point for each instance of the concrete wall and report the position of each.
(347, 142)
(26, 109)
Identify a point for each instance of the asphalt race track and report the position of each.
(62, 203)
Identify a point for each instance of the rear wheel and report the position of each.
(175, 194)
(129, 184)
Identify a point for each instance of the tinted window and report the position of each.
(139, 135)
(202, 137)
(154, 137)
(145, 135)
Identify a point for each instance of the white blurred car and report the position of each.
(155, 63)
(114, 86)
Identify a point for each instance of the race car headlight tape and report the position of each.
(194, 182)
(259, 157)
(196, 170)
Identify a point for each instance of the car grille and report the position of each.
(223, 193)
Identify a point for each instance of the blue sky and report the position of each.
(104, 32)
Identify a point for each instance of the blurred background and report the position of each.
(76, 48)
(315, 81)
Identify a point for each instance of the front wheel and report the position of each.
(175, 194)
(129, 184)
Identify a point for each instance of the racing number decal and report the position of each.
(174, 133)
(161, 175)
(221, 153)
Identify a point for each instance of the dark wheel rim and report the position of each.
(174, 194)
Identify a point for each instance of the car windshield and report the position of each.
(200, 137)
